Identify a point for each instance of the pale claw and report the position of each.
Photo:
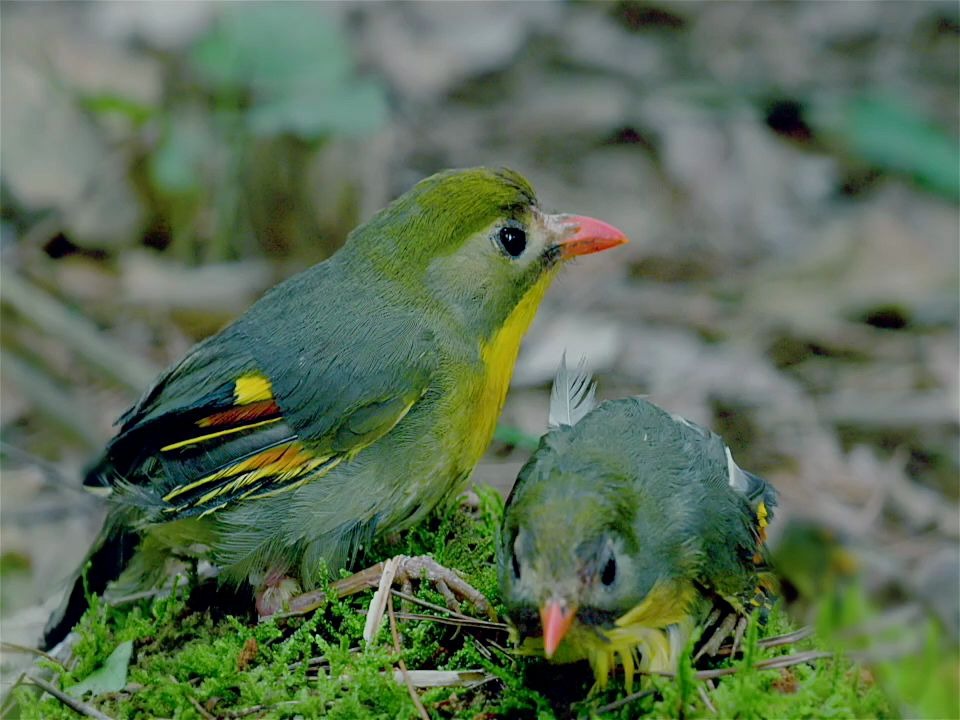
(275, 594)
(712, 646)
(408, 569)
(448, 583)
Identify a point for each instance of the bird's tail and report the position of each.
(108, 557)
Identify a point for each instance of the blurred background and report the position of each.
(788, 174)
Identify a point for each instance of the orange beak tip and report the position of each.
(591, 236)
(556, 621)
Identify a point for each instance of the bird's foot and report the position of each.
(275, 593)
(405, 571)
(449, 583)
(730, 627)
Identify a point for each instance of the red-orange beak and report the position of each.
(588, 236)
(556, 620)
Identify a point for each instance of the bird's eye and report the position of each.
(609, 574)
(516, 567)
(513, 240)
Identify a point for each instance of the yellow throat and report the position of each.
(499, 355)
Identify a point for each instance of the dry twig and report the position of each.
(200, 708)
(705, 696)
(623, 701)
(477, 624)
(13, 647)
(71, 702)
(414, 696)
(49, 315)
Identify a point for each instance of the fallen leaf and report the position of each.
(109, 677)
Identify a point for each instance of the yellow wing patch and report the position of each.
(251, 388)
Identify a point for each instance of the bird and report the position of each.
(344, 405)
(626, 530)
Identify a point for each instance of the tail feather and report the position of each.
(107, 559)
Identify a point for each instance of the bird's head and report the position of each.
(476, 243)
(584, 546)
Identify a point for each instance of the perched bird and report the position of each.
(347, 402)
(626, 529)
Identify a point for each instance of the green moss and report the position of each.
(314, 666)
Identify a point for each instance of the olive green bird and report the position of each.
(346, 403)
(626, 529)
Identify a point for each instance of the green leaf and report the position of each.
(292, 66)
(511, 435)
(893, 136)
(113, 103)
(176, 165)
(265, 47)
(354, 109)
(109, 677)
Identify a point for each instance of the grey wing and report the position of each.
(344, 375)
(264, 406)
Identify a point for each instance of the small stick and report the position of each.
(624, 701)
(706, 699)
(254, 709)
(200, 708)
(378, 603)
(788, 638)
(427, 604)
(453, 615)
(9, 702)
(71, 702)
(53, 475)
(414, 696)
(78, 332)
(13, 647)
(771, 664)
(457, 622)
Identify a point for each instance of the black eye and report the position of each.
(516, 567)
(513, 240)
(609, 573)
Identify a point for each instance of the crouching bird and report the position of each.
(626, 529)
(346, 403)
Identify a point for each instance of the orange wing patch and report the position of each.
(277, 465)
(253, 412)
(254, 407)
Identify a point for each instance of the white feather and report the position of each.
(735, 476)
(574, 394)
